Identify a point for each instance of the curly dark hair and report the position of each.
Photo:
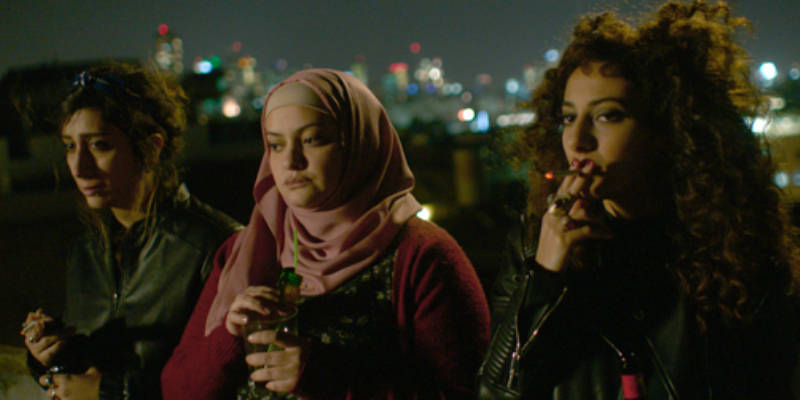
(693, 83)
(139, 103)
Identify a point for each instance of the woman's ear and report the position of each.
(158, 140)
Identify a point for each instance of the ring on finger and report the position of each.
(559, 203)
(569, 223)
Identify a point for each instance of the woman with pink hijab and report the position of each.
(390, 308)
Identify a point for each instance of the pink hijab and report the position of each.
(352, 228)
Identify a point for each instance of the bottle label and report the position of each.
(631, 387)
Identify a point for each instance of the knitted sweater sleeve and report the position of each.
(205, 367)
(443, 328)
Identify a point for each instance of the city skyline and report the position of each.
(472, 37)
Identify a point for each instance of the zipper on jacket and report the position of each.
(519, 349)
(515, 356)
(662, 371)
(119, 258)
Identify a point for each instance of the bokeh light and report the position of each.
(466, 114)
(768, 71)
(782, 179)
(512, 86)
(230, 108)
(551, 55)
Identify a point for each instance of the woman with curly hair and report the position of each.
(656, 260)
(133, 279)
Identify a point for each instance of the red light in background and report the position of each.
(360, 58)
(237, 46)
(163, 29)
(415, 47)
(396, 68)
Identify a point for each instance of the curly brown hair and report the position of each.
(693, 82)
(139, 103)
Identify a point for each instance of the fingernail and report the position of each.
(587, 165)
(574, 162)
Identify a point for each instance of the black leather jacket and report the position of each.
(130, 313)
(554, 338)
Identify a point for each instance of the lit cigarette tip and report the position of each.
(559, 174)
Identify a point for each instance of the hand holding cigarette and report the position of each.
(45, 336)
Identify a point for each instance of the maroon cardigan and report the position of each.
(442, 317)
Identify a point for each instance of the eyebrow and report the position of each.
(86, 135)
(597, 101)
(300, 129)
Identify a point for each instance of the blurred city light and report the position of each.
(796, 178)
(415, 47)
(230, 108)
(434, 73)
(551, 55)
(203, 67)
(430, 88)
(209, 106)
(777, 103)
(466, 114)
(483, 121)
(794, 74)
(258, 103)
(426, 213)
(237, 46)
(216, 62)
(281, 64)
(398, 68)
(759, 125)
(512, 86)
(523, 118)
(163, 29)
(412, 88)
(222, 84)
(782, 179)
(768, 71)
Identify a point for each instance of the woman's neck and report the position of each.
(128, 217)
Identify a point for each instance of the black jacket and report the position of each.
(130, 312)
(565, 338)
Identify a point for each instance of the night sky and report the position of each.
(471, 36)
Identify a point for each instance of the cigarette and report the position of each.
(28, 327)
(559, 174)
